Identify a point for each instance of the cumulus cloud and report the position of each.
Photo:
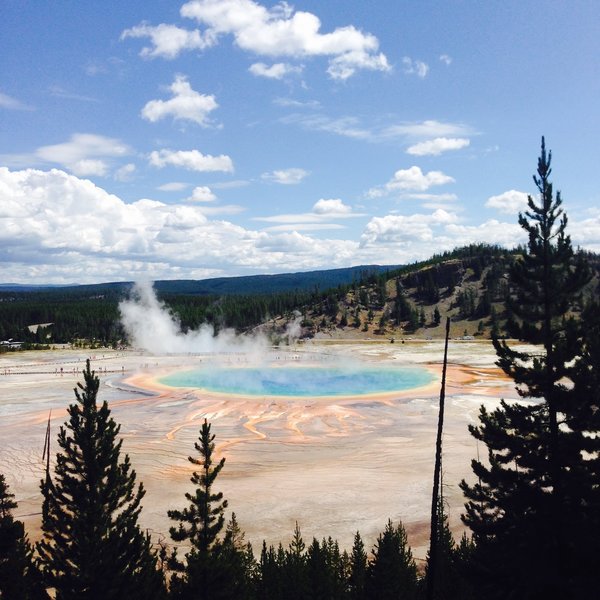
(275, 71)
(202, 194)
(400, 229)
(436, 146)
(411, 179)
(511, 202)
(415, 67)
(58, 228)
(332, 206)
(490, 232)
(447, 60)
(84, 154)
(291, 176)
(185, 105)
(168, 41)
(279, 31)
(192, 160)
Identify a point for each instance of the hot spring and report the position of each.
(300, 381)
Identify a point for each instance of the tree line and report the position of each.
(532, 504)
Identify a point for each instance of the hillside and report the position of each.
(468, 284)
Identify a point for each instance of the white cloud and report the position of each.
(426, 129)
(57, 228)
(192, 160)
(58, 92)
(436, 146)
(173, 186)
(415, 67)
(490, 232)
(290, 102)
(202, 194)
(447, 60)
(275, 71)
(331, 207)
(352, 128)
(280, 31)
(186, 104)
(305, 227)
(411, 179)
(11, 103)
(168, 41)
(291, 176)
(510, 203)
(125, 173)
(85, 154)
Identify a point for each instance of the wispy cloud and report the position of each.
(84, 154)
(437, 146)
(291, 176)
(290, 102)
(352, 127)
(11, 103)
(57, 92)
(415, 67)
(275, 71)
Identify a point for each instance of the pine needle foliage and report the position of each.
(19, 578)
(528, 491)
(92, 545)
(206, 572)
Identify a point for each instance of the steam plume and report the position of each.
(151, 326)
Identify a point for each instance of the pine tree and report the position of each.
(92, 545)
(526, 495)
(204, 573)
(358, 570)
(392, 573)
(19, 578)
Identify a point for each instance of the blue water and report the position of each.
(300, 381)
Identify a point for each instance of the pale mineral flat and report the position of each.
(335, 465)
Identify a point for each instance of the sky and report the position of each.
(154, 139)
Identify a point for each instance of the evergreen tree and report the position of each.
(295, 568)
(527, 494)
(392, 573)
(437, 317)
(205, 573)
(19, 578)
(92, 545)
(358, 570)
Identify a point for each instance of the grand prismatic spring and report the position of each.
(341, 438)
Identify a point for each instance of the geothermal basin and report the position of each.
(334, 456)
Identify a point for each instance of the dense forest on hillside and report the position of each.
(469, 284)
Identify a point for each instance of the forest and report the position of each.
(533, 513)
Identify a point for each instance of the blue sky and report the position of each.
(165, 140)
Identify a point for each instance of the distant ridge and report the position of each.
(247, 284)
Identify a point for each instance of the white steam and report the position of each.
(152, 327)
